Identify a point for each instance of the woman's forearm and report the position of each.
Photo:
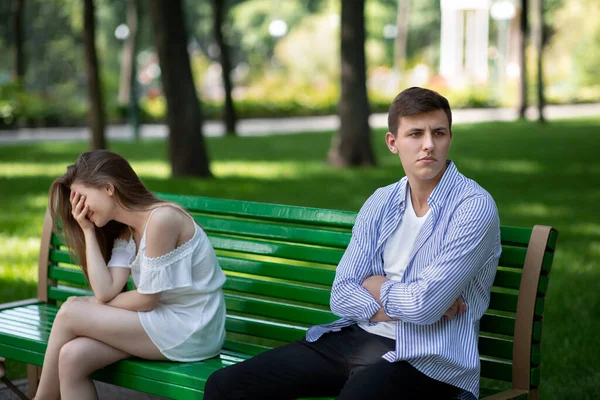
(134, 301)
(99, 274)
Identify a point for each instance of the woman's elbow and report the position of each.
(104, 297)
(150, 302)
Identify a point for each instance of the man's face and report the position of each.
(422, 142)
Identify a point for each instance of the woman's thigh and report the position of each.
(116, 327)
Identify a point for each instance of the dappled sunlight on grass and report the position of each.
(537, 210)
(585, 228)
(512, 166)
(265, 169)
(22, 169)
(154, 169)
(36, 202)
(18, 257)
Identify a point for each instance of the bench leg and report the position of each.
(8, 383)
(33, 378)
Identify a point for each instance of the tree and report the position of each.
(184, 115)
(401, 35)
(351, 146)
(128, 82)
(129, 53)
(538, 38)
(19, 63)
(229, 116)
(524, 28)
(96, 114)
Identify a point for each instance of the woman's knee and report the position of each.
(73, 360)
(66, 314)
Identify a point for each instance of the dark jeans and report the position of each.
(345, 364)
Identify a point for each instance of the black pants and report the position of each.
(345, 364)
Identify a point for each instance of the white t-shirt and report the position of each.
(396, 254)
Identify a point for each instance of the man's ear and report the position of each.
(450, 133)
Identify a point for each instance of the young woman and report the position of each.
(115, 228)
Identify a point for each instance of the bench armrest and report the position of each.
(507, 395)
(20, 303)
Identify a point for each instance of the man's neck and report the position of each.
(420, 190)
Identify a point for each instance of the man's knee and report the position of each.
(218, 384)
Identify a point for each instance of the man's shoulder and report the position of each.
(383, 195)
(466, 189)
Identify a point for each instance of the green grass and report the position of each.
(537, 175)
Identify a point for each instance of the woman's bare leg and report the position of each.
(77, 360)
(116, 327)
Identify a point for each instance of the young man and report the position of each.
(410, 289)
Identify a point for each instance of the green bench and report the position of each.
(280, 262)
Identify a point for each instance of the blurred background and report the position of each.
(284, 55)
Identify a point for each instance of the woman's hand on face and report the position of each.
(80, 210)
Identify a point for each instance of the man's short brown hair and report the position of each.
(416, 100)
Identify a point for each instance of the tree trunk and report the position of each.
(129, 53)
(524, 30)
(229, 116)
(351, 146)
(184, 115)
(401, 35)
(96, 111)
(19, 61)
(538, 37)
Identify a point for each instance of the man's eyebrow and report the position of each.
(415, 130)
(440, 128)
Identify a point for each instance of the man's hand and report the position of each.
(456, 309)
(373, 285)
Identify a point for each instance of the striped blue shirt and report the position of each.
(455, 254)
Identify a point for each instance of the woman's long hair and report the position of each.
(96, 169)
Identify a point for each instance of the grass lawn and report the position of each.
(537, 175)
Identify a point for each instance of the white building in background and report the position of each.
(464, 52)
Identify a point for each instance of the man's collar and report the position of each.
(440, 191)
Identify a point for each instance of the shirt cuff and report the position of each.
(372, 307)
(384, 294)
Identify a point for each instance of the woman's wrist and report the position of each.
(89, 233)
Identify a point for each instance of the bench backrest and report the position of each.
(280, 263)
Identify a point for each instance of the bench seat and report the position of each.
(280, 262)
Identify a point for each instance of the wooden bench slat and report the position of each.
(151, 386)
(503, 348)
(25, 316)
(508, 302)
(62, 293)
(265, 230)
(504, 325)
(314, 254)
(273, 212)
(306, 274)
(281, 290)
(277, 310)
(265, 329)
(20, 324)
(22, 354)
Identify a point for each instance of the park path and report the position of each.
(264, 126)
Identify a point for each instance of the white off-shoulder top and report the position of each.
(189, 322)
